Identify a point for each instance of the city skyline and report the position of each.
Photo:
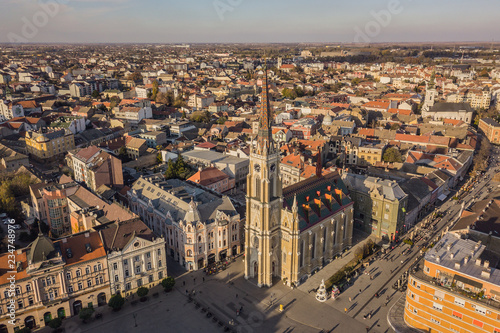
(237, 21)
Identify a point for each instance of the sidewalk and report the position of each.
(395, 318)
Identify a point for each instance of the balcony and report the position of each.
(472, 291)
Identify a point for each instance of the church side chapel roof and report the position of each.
(317, 198)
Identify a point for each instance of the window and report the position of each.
(435, 321)
(115, 266)
(78, 273)
(148, 255)
(89, 283)
(460, 301)
(28, 287)
(437, 306)
(139, 283)
(80, 286)
(18, 290)
(30, 301)
(49, 281)
(159, 263)
(481, 310)
(116, 278)
(159, 252)
(70, 289)
(101, 280)
(427, 269)
(149, 266)
(150, 278)
(457, 314)
(125, 262)
(136, 258)
(68, 275)
(126, 273)
(137, 269)
(127, 286)
(95, 268)
(20, 304)
(87, 270)
(160, 275)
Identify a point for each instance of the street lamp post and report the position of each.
(135, 320)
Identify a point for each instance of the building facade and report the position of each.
(46, 145)
(95, 167)
(379, 205)
(491, 129)
(455, 288)
(55, 279)
(199, 227)
(136, 257)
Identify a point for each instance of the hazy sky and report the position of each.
(167, 21)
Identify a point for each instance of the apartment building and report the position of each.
(9, 110)
(95, 167)
(491, 129)
(379, 205)
(456, 286)
(134, 113)
(477, 98)
(199, 102)
(370, 154)
(49, 145)
(154, 138)
(54, 279)
(136, 257)
(200, 227)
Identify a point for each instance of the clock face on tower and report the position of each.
(256, 167)
(273, 167)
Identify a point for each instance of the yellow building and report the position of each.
(291, 233)
(48, 145)
(370, 154)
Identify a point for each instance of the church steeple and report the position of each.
(265, 134)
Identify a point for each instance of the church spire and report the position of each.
(265, 112)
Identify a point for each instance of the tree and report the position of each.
(181, 168)
(86, 313)
(136, 76)
(95, 94)
(159, 158)
(221, 120)
(171, 170)
(392, 155)
(116, 302)
(155, 89)
(168, 283)
(55, 323)
(122, 152)
(142, 292)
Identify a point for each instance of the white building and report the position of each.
(9, 110)
(136, 257)
(134, 113)
(456, 111)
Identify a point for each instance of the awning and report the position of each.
(467, 281)
(442, 197)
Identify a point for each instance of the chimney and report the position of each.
(486, 273)
(457, 265)
(87, 234)
(452, 255)
(486, 264)
(466, 260)
(448, 247)
(478, 262)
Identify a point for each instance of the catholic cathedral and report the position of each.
(292, 232)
